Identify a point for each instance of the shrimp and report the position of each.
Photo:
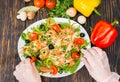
(70, 61)
(58, 53)
(37, 45)
(68, 31)
(44, 52)
(70, 46)
(64, 43)
(60, 61)
(51, 33)
(48, 23)
(45, 69)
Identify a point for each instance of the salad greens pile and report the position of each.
(60, 9)
(48, 62)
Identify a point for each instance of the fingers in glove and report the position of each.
(87, 65)
(88, 56)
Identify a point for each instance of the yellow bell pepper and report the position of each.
(86, 7)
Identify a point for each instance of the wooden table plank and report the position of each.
(11, 28)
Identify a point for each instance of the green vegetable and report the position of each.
(68, 54)
(73, 68)
(25, 36)
(47, 62)
(84, 45)
(25, 55)
(60, 9)
(49, 42)
(33, 53)
(77, 29)
(38, 63)
(39, 29)
(64, 47)
(64, 25)
(52, 21)
(63, 68)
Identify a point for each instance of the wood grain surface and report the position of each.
(11, 28)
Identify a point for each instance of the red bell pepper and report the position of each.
(103, 34)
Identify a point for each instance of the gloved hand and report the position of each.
(26, 72)
(96, 62)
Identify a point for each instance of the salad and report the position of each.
(54, 46)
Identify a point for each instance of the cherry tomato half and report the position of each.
(50, 3)
(39, 3)
(33, 59)
(79, 41)
(33, 35)
(54, 70)
(75, 55)
(56, 27)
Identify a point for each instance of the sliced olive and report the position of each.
(27, 41)
(42, 26)
(51, 46)
(82, 35)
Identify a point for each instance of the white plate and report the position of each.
(57, 20)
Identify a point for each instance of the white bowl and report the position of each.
(57, 20)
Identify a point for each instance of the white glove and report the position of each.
(26, 72)
(96, 62)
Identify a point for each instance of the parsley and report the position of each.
(60, 8)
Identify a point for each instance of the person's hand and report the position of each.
(96, 62)
(26, 72)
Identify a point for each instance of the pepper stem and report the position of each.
(114, 23)
(97, 12)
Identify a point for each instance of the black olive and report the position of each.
(82, 35)
(51, 46)
(38, 57)
(59, 25)
(27, 41)
(42, 26)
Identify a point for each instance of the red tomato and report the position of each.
(56, 27)
(50, 3)
(79, 41)
(39, 3)
(33, 35)
(54, 70)
(75, 55)
(33, 59)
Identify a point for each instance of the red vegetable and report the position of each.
(79, 41)
(75, 55)
(54, 70)
(56, 27)
(33, 35)
(39, 3)
(50, 3)
(33, 59)
(103, 34)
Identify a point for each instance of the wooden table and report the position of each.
(11, 28)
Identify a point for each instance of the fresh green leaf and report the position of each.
(24, 36)
(64, 25)
(25, 55)
(64, 47)
(73, 68)
(60, 9)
